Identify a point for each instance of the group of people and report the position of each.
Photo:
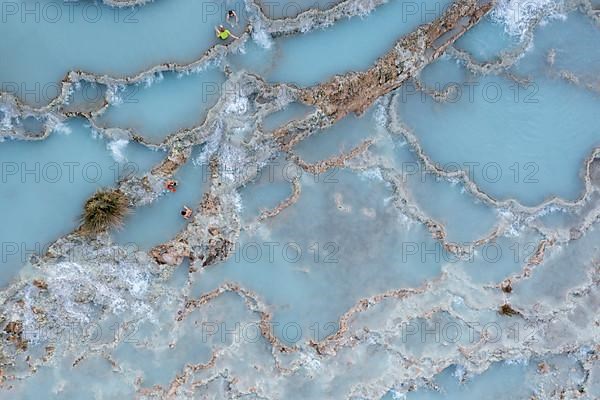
(224, 33)
(171, 185)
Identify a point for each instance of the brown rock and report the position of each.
(40, 284)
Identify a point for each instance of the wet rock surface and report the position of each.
(87, 283)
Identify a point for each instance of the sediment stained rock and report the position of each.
(289, 201)
(355, 91)
(338, 161)
(216, 225)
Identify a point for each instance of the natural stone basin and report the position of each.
(44, 184)
(350, 45)
(183, 30)
(171, 103)
(527, 143)
(390, 200)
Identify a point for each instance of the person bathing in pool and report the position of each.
(186, 212)
(223, 33)
(232, 18)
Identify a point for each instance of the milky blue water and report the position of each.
(158, 222)
(288, 9)
(83, 36)
(340, 138)
(305, 255)
(86, 96)
(486, 40)
(349, 45)
(490, 385)
(572, 40)
(522, 134)
(527, 143)
(272, 186)
(171, 103)
(45, 183)
(282, 117)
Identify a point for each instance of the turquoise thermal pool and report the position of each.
(353, 199)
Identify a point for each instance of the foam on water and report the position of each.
(517, 15)
(158, 108)
(45, 184)
(117, 148)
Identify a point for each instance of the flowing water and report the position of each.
(442, 244)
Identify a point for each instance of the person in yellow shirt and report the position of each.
(223, 33)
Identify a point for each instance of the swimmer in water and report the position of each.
(171, 185)
(231, 15)
(223, 33)
(186, 212)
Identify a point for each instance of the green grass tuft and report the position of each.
(104, 210)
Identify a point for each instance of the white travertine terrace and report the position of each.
(51, 294)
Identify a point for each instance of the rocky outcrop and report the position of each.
(355, 91)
